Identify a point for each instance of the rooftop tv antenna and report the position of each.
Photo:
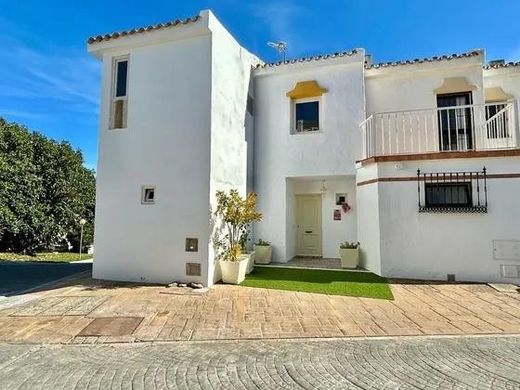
(280, 46)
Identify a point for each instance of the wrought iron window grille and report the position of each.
(452, 192)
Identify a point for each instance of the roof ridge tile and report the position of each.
(140, 30)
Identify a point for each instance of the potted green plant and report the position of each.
(349, 254)
(263, 252)
(236, 215)
(244, 238)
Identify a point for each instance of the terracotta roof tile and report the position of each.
(502, 65)
(423, 60)
(140, 30)
(307, 59)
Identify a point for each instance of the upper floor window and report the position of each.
(119, 102)
(306, 116)
(306, 98)
(121, 77)
(455, 116)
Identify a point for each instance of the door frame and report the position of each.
(320, 227)
(449, 118)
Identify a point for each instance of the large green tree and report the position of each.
(45, 191)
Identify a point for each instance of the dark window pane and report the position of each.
(455, 124)
(307, 116)
(448, 194)
(121, 75)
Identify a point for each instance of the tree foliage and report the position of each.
(44, 191)
(237, 214)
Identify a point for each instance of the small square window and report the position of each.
(307, 116)
(341, 199)
(148, 195)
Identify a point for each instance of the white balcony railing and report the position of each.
(457, 128)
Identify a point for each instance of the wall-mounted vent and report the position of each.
(510, 271)
(193, 269)
(450, 277)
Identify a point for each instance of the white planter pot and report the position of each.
(349, 257)
(263, 254)
(250, 261)
(234, 272)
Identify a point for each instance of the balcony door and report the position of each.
(455, 124)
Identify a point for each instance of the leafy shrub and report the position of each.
(237, 214)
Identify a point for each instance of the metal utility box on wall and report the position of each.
(506, 250)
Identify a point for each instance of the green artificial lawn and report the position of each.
(59, 257)
(355, 284)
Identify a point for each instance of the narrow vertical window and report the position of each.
(119, 103)
(121, 77)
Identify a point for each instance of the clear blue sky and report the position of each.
(49, 83)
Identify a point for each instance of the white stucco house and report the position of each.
(417, 160)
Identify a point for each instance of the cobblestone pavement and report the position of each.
(95, 312)
(404, 363)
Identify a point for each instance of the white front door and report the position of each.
(308, 225)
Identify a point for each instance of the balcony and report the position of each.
(447, 129)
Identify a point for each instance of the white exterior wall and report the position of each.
(412, 87)
(280, 155)
(231, 126)
(186, 135)
(369, 235)
(189, 135)
(166, 144)
(431, 245)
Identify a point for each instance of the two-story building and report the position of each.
(419, 160)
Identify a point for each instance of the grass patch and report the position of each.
(355, 284)
(55, 257)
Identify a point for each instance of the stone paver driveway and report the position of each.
(404, 363)
(93, 312)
